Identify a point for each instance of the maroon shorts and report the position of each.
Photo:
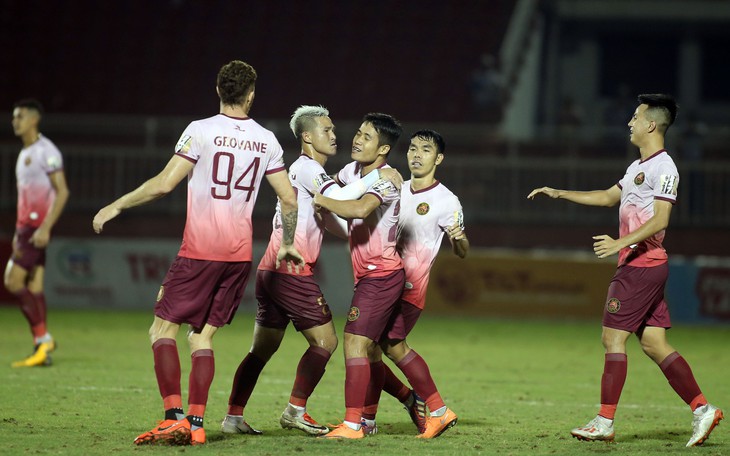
(373, 305)
(403, 320)
(283, 298)
(25, 254)
(636, 299)
(200, 291)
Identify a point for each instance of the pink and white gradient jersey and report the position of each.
(307, 177)
(231, 156)
(655, 178)
(373, 240)
(35, 191)
(424, 216)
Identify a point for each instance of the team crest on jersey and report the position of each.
(639, 179)
(354, 314)
(183, 145)
(422, 209)
(160, 294)
(323, 305)
(27, 161)
(613, 305)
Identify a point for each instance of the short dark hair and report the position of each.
(388, 127)
(434, 137)
(662, 109)
(30, 103)
(235, 81)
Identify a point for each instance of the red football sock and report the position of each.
(612, 383)
(419, 376)
(202, 370)
(167, 370)
(309, 372)
(357, 377)
(375, 387)
(394, 386)
(244, 381)
(680, 377)
(33, 307)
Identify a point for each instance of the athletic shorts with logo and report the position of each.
(284, 297)
(373, 305)
(25, 254)
(636, 299)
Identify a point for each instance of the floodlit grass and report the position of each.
(518, 388)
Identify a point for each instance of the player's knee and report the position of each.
(264, 351)
(328, 343)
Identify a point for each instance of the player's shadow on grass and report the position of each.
(676, 436)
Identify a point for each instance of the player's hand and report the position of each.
(40, 238)
(292, 257)
(551, 192)
(391, 175)
(317, 202)
(104, 215)
(605, 246)
(455, 233)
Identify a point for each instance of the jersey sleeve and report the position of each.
(454, 214)
(52, 160)
(314, 179)
(385, 191)
(276, 160)
(188, 146)
(667, 182)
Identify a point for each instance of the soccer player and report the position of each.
(427, 210)
(283, 296)
(225, 158)
(635, 301)
(42, 195)
(377, 267)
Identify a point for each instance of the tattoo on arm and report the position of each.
(289, 226)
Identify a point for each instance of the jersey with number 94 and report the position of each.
(231, 156)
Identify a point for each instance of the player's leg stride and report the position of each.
(599, 428)
(40, 357)
(298, 418)
(704, 420)
(438, 422)
(170, 432)
(343, 431)
(235, 424)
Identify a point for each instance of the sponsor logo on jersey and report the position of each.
(422, 209)
(321, 179)
(668, 184)
(613, 305)
(639, 179)
(183, 145)
(161, 293)
(354, 314)
(238, 128)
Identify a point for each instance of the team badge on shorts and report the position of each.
(639, 179)
(354, 314)
(323, 305)
(422, 209)
(613, 305)
(160, 293)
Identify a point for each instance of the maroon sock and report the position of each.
(33, 307)
(309, 372)
(680, 377)
(394, 386)
(419, 376)
(375, 387)
(244, 381)
(167, 370)
(612, 383)
(357, 377)
(202, 370)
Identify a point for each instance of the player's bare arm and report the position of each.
(606, 198)
(606, 246)
(162, 184)
(288, 201)
(459, 241)
(42, 235)
(348, 209)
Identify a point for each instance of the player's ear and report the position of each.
(439, 158)
(384, 149)
(306, 137)
(652, 126)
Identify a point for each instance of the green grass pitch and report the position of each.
(517, 386)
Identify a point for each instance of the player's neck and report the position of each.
(419, 183)
(651, 148)
(30, 137)
(312, 153)
(239, 111)
(380, 161)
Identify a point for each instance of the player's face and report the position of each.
(423, 157)
(365, 147)
(24, 120)
(639, 125)
(322, 136)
